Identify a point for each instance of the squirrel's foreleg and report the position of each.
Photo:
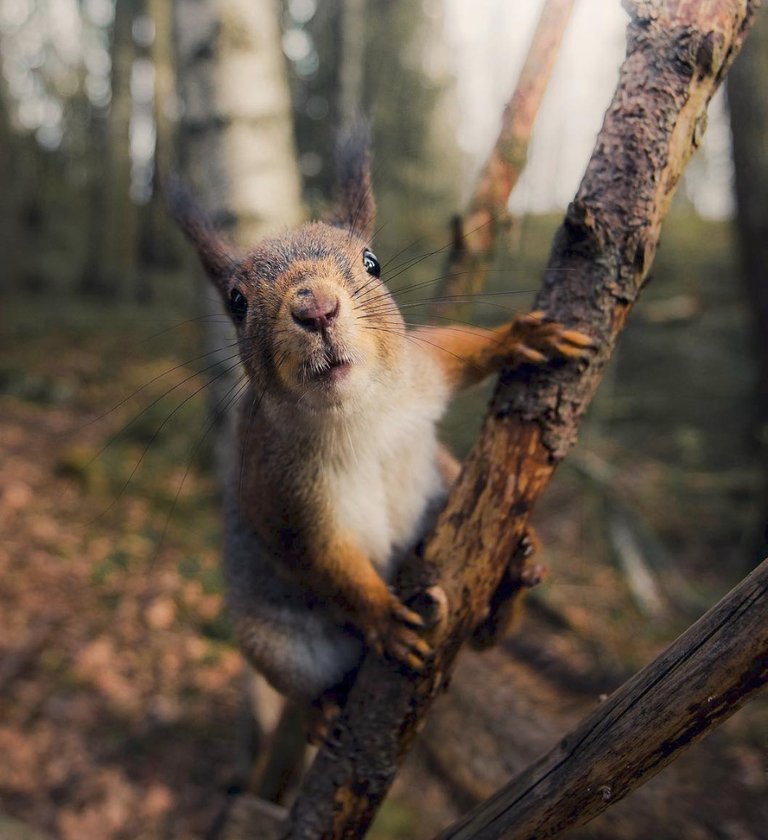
(344, 577)
(468, 355)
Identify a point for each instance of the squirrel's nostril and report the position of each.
(315, 312)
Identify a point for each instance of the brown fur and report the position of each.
(339, 471)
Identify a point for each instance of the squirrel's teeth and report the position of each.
(327, 368)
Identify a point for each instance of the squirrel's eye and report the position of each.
(371, 264)
(238, 305)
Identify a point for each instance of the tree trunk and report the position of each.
(159, 238)
(236, 143)
(119, 244)
(9, 202)
(93, 280)
(677, 55)
(748, 103)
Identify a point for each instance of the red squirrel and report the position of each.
(339, 472)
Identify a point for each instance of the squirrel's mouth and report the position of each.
(328, 369)
(337, 371)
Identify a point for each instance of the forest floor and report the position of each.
(120, 688)
(119, 685)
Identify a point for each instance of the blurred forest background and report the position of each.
(120, 687)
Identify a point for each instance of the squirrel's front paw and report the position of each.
(535, 340)
(396, 634)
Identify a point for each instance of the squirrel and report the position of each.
(339, 472)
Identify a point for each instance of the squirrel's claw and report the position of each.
(408, 617)
(409, 649)
(574, 344)
(537, 340)
(397, 636)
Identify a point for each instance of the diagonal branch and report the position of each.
(475, 232)
(677, 55)
(704, 676)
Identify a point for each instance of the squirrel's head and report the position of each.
(315, 324)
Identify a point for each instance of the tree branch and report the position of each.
(700, 680)
(678, 53)
(475, 233)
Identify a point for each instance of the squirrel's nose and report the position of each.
(315, 310)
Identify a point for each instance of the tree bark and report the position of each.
(748, 104)
(236, 129)
(678, 53)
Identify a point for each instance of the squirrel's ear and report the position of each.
(355, 208)
(217, 255)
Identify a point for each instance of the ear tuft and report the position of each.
(217, 255)
(355, 207)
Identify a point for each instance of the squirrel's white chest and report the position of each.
(380, 493)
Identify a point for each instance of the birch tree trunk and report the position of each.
(236, 141)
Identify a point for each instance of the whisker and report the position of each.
(385, 308)
(404, 290)
(223, 406)
(411, 336)
(403, 250)
(154, 437)
(176, 326)
(407, 264)
(156, 378)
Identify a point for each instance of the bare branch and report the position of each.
(698, 682)
(475, 233)
(678, 53)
